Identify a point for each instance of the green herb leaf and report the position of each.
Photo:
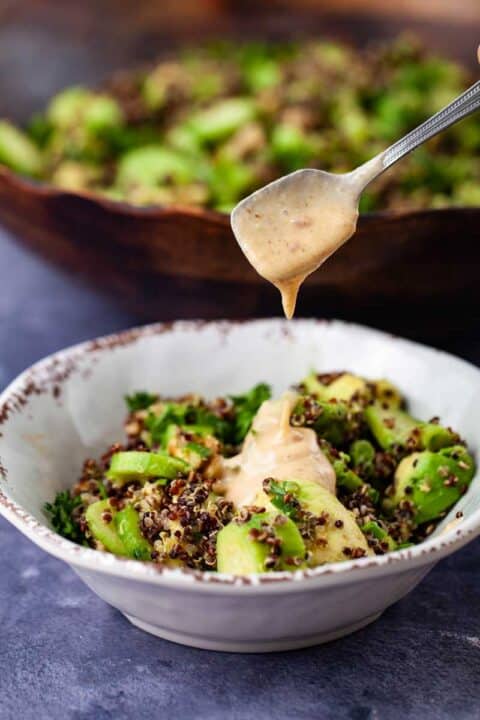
(157, 425)
(278, 493)
(246, 407)
(60, 512)
(102, 491)
(140, 401)
(200, 450)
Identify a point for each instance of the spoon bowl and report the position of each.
(278, 226)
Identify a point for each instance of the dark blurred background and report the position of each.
(47, 44)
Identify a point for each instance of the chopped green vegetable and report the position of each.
(392, 428)
(152, 166)
(246, 407)
(336, 422)
(362, 453)
(17, 151)
(282, 496)
(240, 552)
(431, 482)
(221, 119)
(349, 480)
(60, 512)
(127, 523)
(100, 517)
(184, 415)
(136, 465)
(140, 401)
(374, 529)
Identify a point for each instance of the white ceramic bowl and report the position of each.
(70, 406)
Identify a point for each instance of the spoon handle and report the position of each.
(459, 108)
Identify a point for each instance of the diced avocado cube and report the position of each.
(194, 454)
(154, 90)
(291, 147)
(138, 465)
(346, 387)
(239, 553)
(66, 109)
(349, 479)
(387, 394)
(312, 385)
(101, 114)
(75, 176)
(152, 165)
(374, 529)
(362, 454)
(17, 151)
(184, 139)
(393, 427)
(100, 517)
(431, 481)
(333, 421)
(340, 529)
(127, 523)
(220, 120)
(229, 179)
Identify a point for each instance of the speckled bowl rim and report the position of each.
(45, 376)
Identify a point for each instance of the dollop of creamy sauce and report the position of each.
(290, 227)
(273, 448)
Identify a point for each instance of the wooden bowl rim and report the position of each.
(43, 189)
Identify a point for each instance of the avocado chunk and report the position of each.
(195, 454)
(101, 114)
(362, 454)
(240, 553)
(220, 120)
(152, 165)
(292, 147)
(334, 421)
(348, 479)
(311, 385)
(65, 109)
(347, 387)
(17, 151)
(375, 531)
(342, 386)
(137, 465)
(393, 427)
(192, 451)
(76, 176)
(431, 481)
(387, 394)
(100, 517)
(127, 523)
(339, 538)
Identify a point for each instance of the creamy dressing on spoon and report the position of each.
(290, 227)
(273, 448)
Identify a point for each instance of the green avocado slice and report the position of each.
(138, 465)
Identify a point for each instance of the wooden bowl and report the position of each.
(413, 272)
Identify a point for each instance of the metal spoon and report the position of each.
(289, 227)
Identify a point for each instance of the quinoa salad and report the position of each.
(334, 469)
(208, 125)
